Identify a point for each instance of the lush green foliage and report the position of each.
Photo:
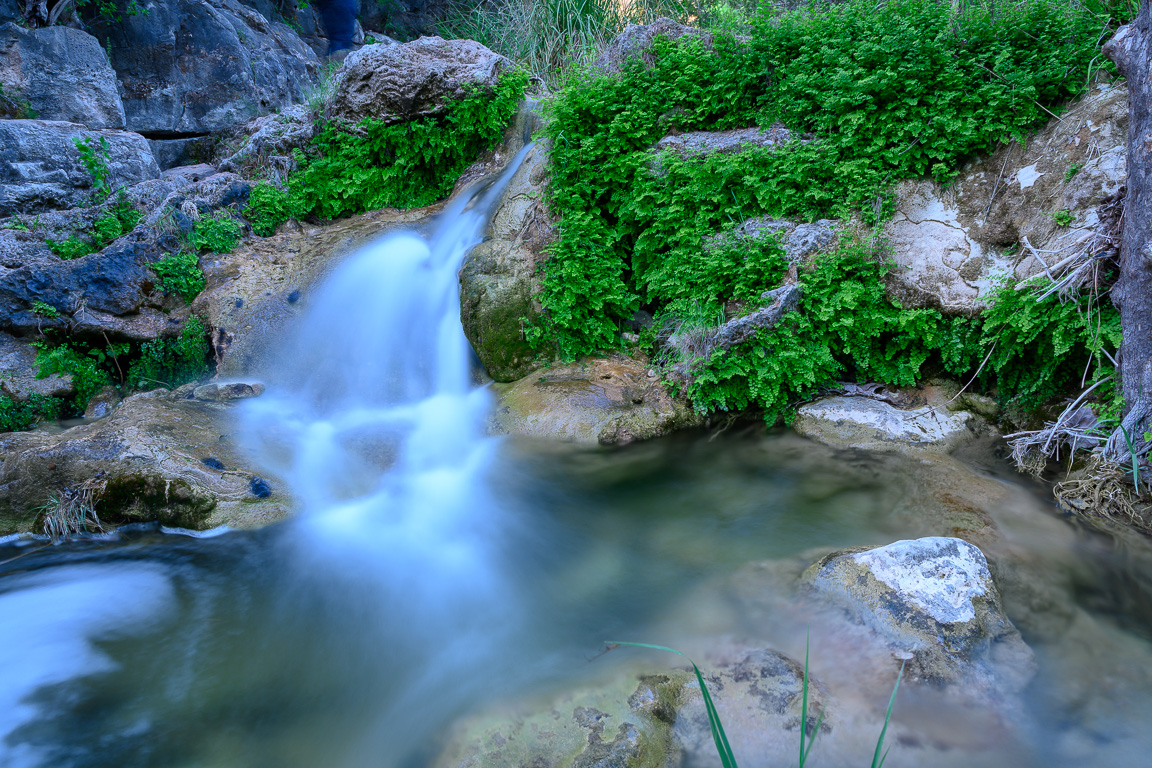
(120, 219)
(267, 208)
(217, 232)
(880, 93)
(180, 274)
(21, 415)
(88, 366)
(94, 158)
(405, 165)
(171, 362)
(44, 309)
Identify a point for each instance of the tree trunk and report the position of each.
(1131, 50)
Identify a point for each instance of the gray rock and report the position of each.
(932, 598)
(499, 279)
(198, 66)
(861, 422)
(398, 83)
(191, 173)
(18, 371)
(218, 392)
(798, 240)
(63, 73)
(951, 246)
(780, 302)
(10, 11)
(40, 166)
(606, 401)
(635, 42)
(703, 143)
(146, 456)
(268, 142)
(102, 403)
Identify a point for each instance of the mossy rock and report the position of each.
(147, 498)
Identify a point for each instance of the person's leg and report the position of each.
(339, 18)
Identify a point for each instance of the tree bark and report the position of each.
(1131, 50)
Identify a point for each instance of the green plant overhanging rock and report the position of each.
(144, 498)
(884, 93)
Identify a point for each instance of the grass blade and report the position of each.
(877, 758)
(723, 748)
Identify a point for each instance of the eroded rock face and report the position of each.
(499, 279)
(398, 83)
(40, 167)
(150, 455)
(798, 240)
(934, 600)
(198, 66)
(952, 245)
(269, 141)
(612, 401)
(635, 42)
(703, 143)
(862, 422)
(63, 74)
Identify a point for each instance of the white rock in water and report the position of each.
(940, 575)
(861, 422)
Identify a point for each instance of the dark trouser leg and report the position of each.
(339, 17)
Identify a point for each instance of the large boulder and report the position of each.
(606, 401)
(158, 456)
(872, 424)
(268, 142)
(398, 83)
(200, 66)
(63, 73)
(40, 166)
(952, 245)
(933, 601)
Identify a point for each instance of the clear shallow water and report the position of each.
(433, 570)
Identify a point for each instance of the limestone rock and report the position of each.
(995, 221)
(18, 372)
(398, 83)
(635, 42)
(171, 153)
(102, 403)
(607, 401)
(269, 141)
(499, 279)
(933, 598)
(218, 392)
(148, 452)
(198, 66)
(861, 422)
(703, 143)
(40, 166)
(63, 73)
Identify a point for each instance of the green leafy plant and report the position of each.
(13, 105)
(21, 415)
(180, 274)
(88, 367)
(172, 362)
(1063, 218)
(267, 208)
(94, 157)
(1072, 171)
(217, 232)
(406, 165)
(120, 219)
(70, 248)
(45, 310)
(16, 223)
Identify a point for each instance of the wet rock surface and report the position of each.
(147, 456)
(607, 401)
(397, 83)
(933, 600)
(62, 73)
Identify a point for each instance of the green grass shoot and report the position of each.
(804, 712)
(727, 759)
(877, 758)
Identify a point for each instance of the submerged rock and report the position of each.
(932, 599)
(607, 401)
(423, 78)
(146, 456)
(862, 422)
(63, 73)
